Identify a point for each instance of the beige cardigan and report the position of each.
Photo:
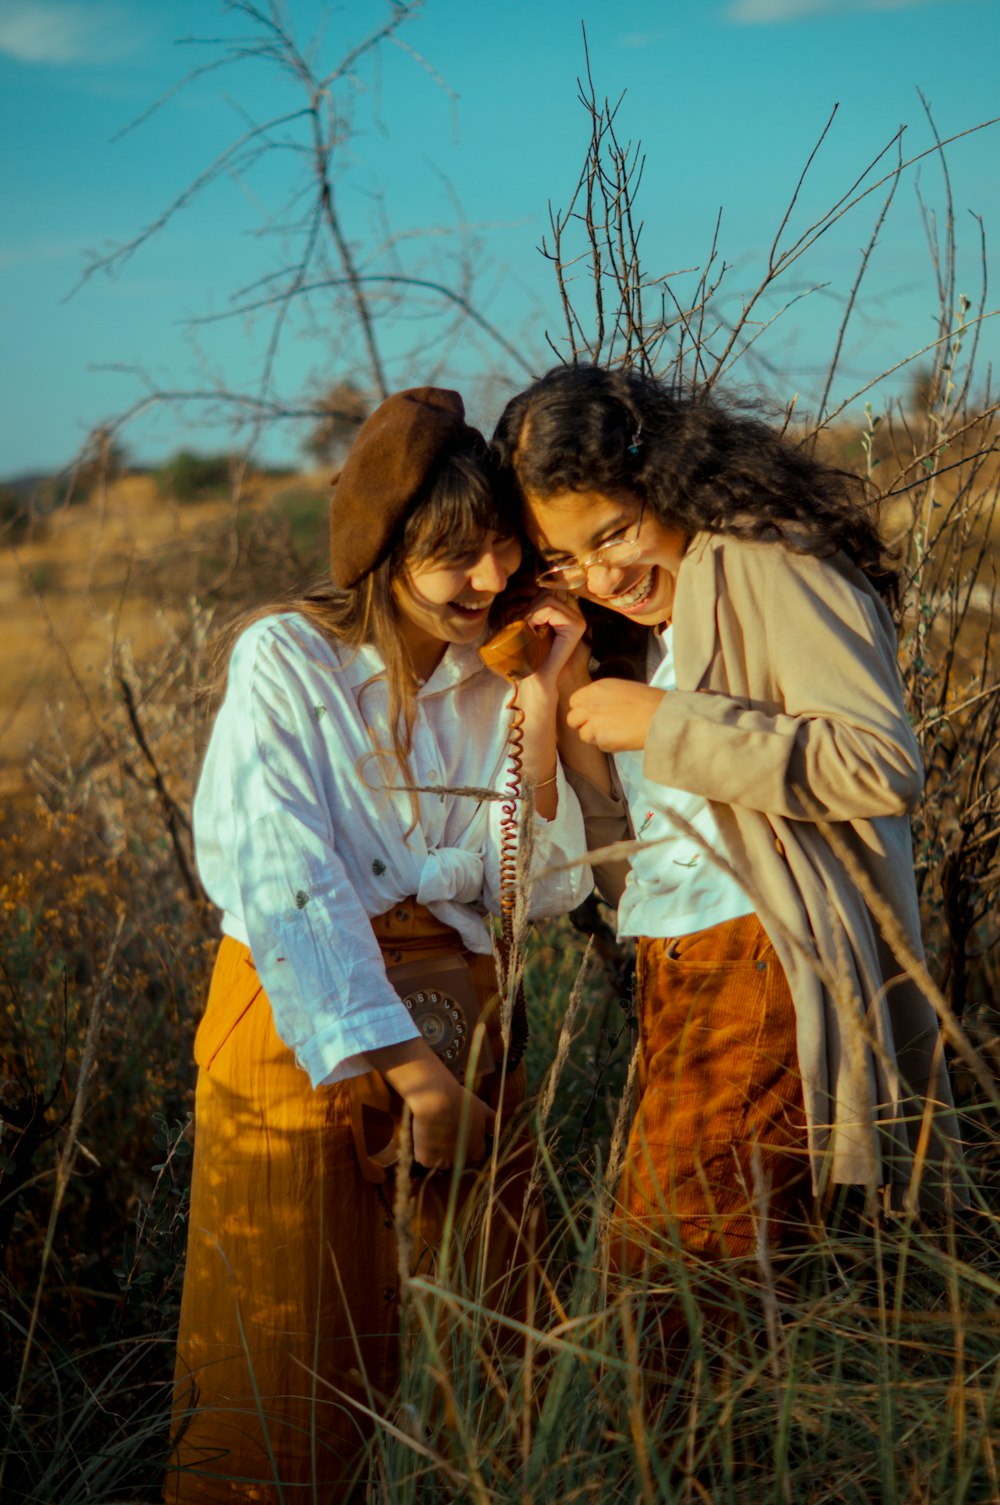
(788, 713)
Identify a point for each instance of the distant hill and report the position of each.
(24, 487)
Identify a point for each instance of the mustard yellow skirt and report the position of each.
(290, 1308)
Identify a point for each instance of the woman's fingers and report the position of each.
(579, 719)
(487, 1130)
(438, 1133)
(614, 714)
(567, 625)
(564, 617)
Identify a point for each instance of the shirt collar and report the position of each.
(459, 663)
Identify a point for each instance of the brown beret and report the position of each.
(390, 466)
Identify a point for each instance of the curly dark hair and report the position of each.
(699, 464)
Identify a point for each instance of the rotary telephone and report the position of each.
(439, 994)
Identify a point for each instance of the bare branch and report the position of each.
(222, 163)
(798, 187)
(852, 296)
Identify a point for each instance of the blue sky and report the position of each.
(472, 123)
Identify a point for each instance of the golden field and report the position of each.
(116, 572)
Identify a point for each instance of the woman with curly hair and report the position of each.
(769, 768)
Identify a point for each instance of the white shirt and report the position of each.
(674, 887)
(300, 837)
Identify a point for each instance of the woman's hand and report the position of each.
(565, 619)
(614, 714)
(438, 1103)
(538, 694)
(438, 1110)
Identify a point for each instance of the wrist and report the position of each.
(538, 697)
(413, 1070)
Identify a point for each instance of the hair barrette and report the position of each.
(633, 448)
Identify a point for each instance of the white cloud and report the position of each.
(642, 38)
(764, 12)
(37, 249)
(60, 32)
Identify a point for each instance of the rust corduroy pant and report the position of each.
(719, 1133)
(291, 1289)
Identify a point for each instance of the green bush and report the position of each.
(306, 512)
(15, 516)
(190, 478)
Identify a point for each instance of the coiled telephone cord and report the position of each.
(509, 831)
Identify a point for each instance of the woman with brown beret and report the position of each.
(787, 1045)
(340, 827)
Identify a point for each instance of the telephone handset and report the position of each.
(517, 650)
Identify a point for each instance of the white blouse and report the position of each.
(302, 833)
(673, 887)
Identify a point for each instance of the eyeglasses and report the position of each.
(614, 554)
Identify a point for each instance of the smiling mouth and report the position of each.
(636, 597)
(471, 609)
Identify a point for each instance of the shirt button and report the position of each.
(402, 914)
(394, 955)
(389, 1293)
